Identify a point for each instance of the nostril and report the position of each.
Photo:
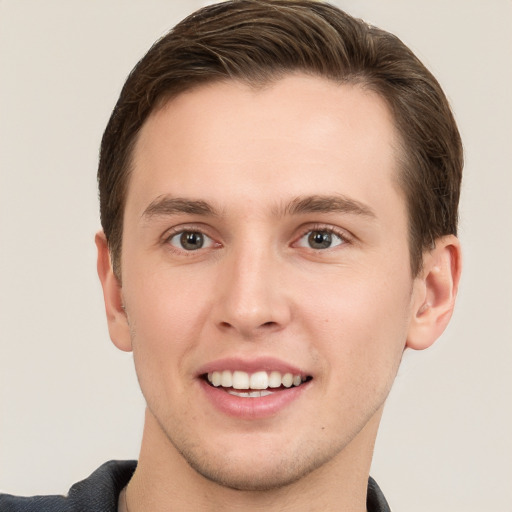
(266, 324)
(248, 330)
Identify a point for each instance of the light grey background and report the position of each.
(69, 400)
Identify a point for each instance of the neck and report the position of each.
(163, 478)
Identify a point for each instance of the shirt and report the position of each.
(100, 493)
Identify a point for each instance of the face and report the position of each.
(265, 275)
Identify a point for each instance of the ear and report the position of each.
(117, 320)
(435, 292)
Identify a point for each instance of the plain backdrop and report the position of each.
(70, 401)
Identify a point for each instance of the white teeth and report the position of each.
(259, 380)
(240, 380)
(256, 381)
(227, 379)
(216, 378)
(274, 380)
(250, 394)
(287, 380)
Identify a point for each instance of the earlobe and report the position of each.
(435, 292)
(112, 294)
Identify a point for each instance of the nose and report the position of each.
(252, 298)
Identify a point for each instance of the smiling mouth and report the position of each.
(258, 384)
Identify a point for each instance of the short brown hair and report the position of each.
(258, 41)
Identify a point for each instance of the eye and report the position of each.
(190, 240)
(320, 239)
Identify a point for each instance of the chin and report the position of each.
(252, 478)
(260, 472)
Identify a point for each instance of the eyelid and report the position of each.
(343, 234)
(170, 233)
(208, 241)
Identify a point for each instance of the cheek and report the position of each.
(165, 313)
(359, 322)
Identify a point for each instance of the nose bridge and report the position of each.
(252, 297)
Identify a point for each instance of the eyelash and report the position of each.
(169, 235)
(322, 228)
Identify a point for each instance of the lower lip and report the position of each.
(255, 407)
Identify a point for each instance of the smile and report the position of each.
(260, 383)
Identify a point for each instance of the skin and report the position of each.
(341, 314)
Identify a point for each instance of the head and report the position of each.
(279, 189)
(258, 42)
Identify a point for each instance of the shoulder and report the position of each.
(375, 500)
(99, 493)
(9, 503)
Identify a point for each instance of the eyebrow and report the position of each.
(328, 204)
(165, 205)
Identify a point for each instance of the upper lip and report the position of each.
(251, 366)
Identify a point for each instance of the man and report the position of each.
(279, 186)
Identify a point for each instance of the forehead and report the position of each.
(297, 135)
